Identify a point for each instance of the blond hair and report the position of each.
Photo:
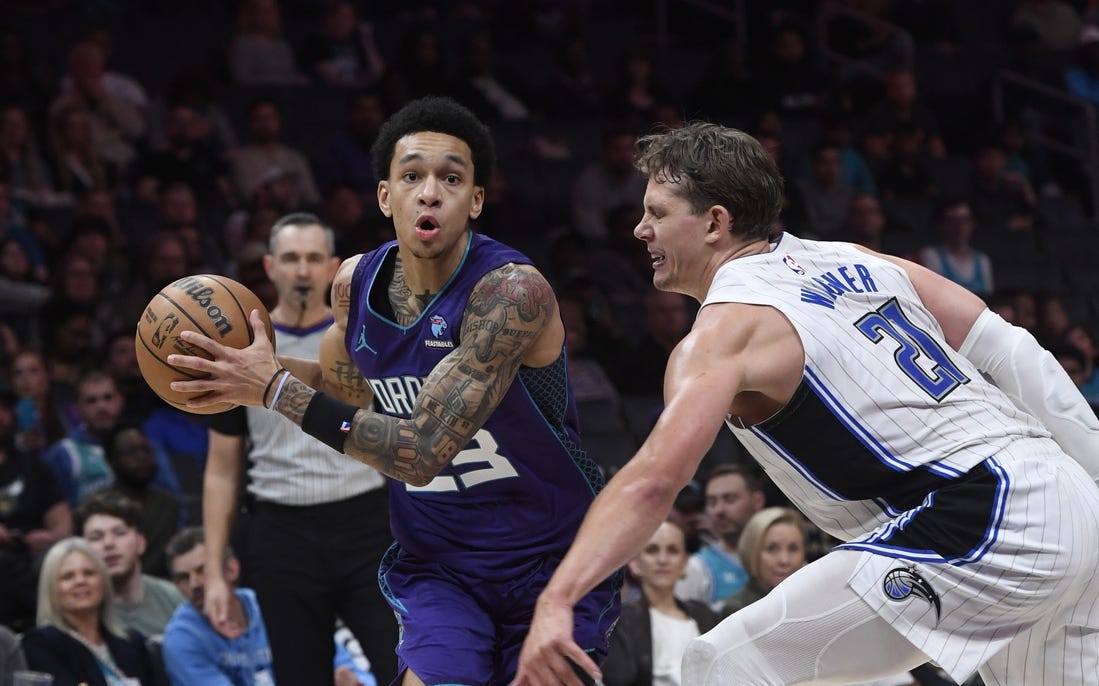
(750, 544)
(49, 603)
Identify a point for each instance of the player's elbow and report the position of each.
(419, 480)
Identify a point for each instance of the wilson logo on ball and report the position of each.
(201, 293)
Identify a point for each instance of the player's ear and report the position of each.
(718, 223)
(269, 266)
(383, 198)
(478, 202)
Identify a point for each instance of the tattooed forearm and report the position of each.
(294, 399)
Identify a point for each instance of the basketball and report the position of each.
(215, 306)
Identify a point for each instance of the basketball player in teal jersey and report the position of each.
(457, 341)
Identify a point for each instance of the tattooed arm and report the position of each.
(334, 372)
(511, 318)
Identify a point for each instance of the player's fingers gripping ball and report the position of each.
(215, 306)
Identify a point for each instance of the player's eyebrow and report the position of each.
(450, 156)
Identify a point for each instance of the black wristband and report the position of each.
(267, 390)
(328, 420)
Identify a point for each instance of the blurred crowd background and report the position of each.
(141, 141)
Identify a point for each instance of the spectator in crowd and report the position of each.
(855, 172)
(110, 521)
(198, 652)
(823, 198)
(906, 174)
(953, 255)
(902, 105)
(573, 91)
(1078, 367)
(33, 516)
(648, 642)
(1080, 337)
(667, 319)
(1053, 318)
(115, 83)
(77, 165)
(482, 86)
(68, 339)
(43, 412)
(79, 461)
(22, 164)
(1001, 200)
(195, 87)
(116, 125)
(184, 158)
(195, 652)
(319, 527)
(264, 153)
(162, 258)
(1025, 305)
(343, 52)
(76, 640)
(347, 158)
(419, 70)
(21, 294)
(14, 224)
(866, 224)
(259, 53)
(772, 547)
(789, 80)
(12, 659)
(120, 363)
(607, 183)
(637, 88)
(132, 457)
(589, 379)
(726, 91)
(733, 494)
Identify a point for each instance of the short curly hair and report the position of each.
(441, 115)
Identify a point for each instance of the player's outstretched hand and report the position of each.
(237, 376)
(542, 661)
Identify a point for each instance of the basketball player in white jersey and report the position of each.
(856, 379)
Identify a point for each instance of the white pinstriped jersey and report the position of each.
(887, 412)
(289, 466)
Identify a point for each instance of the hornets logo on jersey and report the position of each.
(904, 582)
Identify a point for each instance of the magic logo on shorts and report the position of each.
(904, 582)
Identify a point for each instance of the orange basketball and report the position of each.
(212, 305)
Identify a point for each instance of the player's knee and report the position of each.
(709, 661)
(699, 661)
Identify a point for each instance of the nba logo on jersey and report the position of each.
(790, 262)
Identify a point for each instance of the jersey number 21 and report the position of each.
(918, 355)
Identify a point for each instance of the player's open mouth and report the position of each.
(658, 260)
(427, 228)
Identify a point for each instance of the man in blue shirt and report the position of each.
(196, 653)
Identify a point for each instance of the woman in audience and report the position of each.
(772, 547)
(76, 640)
(648, 642)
